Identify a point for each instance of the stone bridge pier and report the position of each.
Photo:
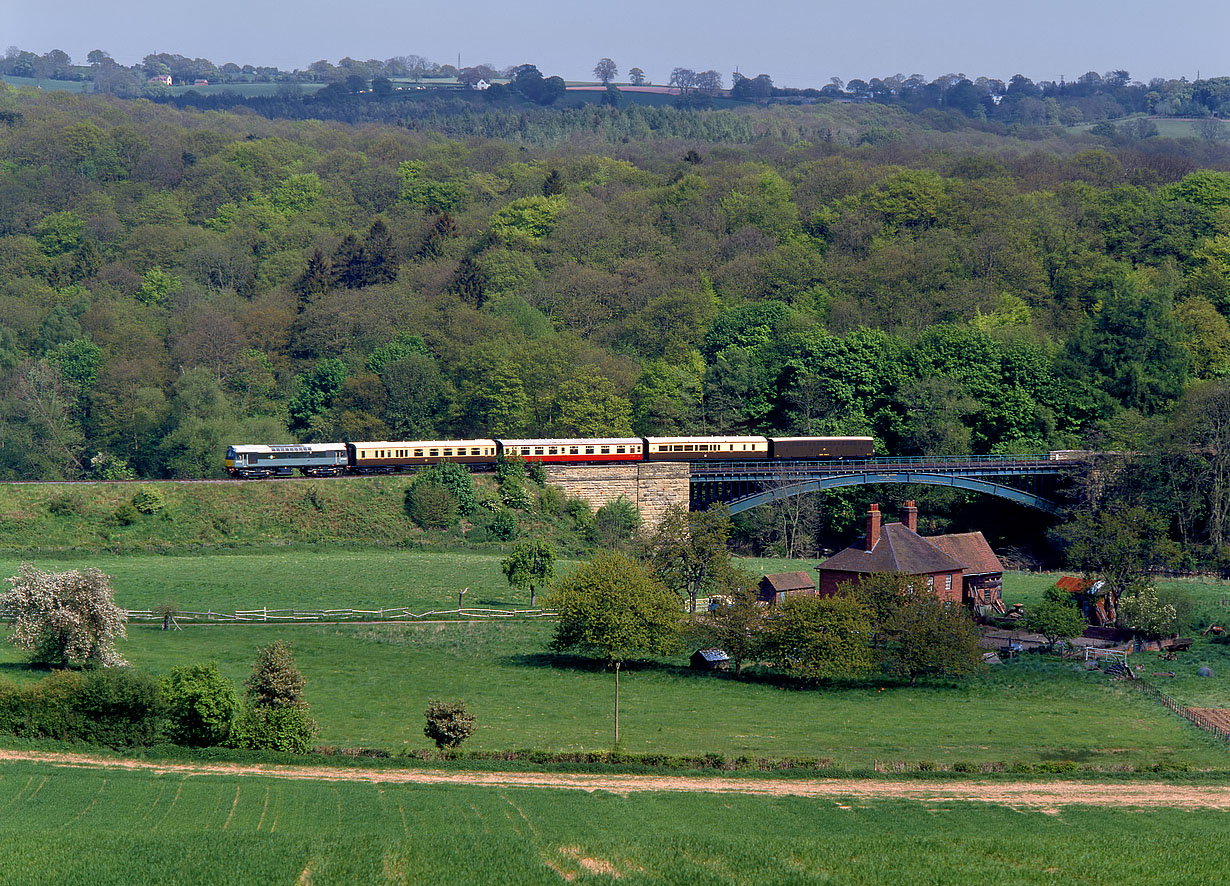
(652, 485)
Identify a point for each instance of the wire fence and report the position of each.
(1194, 717)
(285, 616)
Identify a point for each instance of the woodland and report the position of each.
(176, 279)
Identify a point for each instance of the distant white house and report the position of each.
(164, 79)
(481, 85)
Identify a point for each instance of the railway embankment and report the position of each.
(176, 517)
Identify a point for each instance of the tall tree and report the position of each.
(688, 550)
(605, 70)
(614, 608)
(930, 637)
(821, 637)
(530, 566)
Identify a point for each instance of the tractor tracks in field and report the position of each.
(1043, 796)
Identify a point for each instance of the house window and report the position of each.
(930, 581)
(948, 582)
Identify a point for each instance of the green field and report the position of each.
(368, 684)
(64, 826)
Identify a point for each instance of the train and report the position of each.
(257, 461)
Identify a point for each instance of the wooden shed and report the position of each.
(777, 587)
(709, 660)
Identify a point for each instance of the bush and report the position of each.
(452, 477)
(66, 505)
(119, 708)
(510, 469)
(290, 730)
(514, 495)
(201, 705)
(148, 501)
(431, 506)
(448, 723)
(616, 523)
(552, 501)
(537, 472)
(276, 681)
(126, 514)
(504, 526)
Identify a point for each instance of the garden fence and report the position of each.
(1186, 713)
(265, 614)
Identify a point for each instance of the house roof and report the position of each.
(790, 581)
(970, 549)
(712, 655)
(900, 549)
(1072, 584)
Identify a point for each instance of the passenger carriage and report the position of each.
(821, 447)
(700, 448)
(386, 457)
(600, 449)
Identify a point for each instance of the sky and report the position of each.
(797, 43)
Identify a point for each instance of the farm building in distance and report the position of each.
(777, 587)
(709, 660)
(960, 568)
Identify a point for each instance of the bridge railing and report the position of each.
(1028, 464)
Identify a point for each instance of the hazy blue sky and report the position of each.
(798, 43)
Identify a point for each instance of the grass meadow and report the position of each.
(117, 827)
(369, 683)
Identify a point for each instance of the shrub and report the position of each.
(276, 681)
(201, 705)
(290, 730)
(510, 469)
(126, 514)
(448, 723)
(552, 501)
(431, 506)
(514, 495)
(452, 477)
(66, 505)
(537, 472)
(616, 523)
(504, 526)
(120, 708)
(148, 501)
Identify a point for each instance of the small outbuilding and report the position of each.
(709, 660)
(1093, 597)
(777, 587)
(982, 582)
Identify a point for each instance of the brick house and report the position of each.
(777, 587)
(894, 547)
(982, 583)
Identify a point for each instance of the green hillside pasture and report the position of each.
(117, 827)
(283, 579)
(369, 685)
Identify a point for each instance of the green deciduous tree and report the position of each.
(276, 681)
(929, 636)
(1057, 617)
(736, 622)
(613, 608)
(201, 705)
(530, 566)
(821, 637)
(688, 550)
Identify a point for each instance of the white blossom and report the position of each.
(64, 618)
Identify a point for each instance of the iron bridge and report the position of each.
(1029, 480)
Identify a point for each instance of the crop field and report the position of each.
(103, 827)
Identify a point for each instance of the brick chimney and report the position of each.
(909, 515)
(873, 526)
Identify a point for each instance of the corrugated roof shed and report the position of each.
(971, 550)
(1073, 584)
(899, 549)
(790, 581)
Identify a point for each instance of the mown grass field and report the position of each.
(66, 826)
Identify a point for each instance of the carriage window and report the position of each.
(434, 453)
(589, 450)
(606, 450)
(551, 450)
(619, 449)
(689, 448)
(418, 453)
(574, 450)
(448, 452)
(678, 448)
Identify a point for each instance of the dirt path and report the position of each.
(1047, 796)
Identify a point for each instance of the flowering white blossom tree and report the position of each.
(64, 618)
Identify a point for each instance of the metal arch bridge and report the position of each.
(1029, 480)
